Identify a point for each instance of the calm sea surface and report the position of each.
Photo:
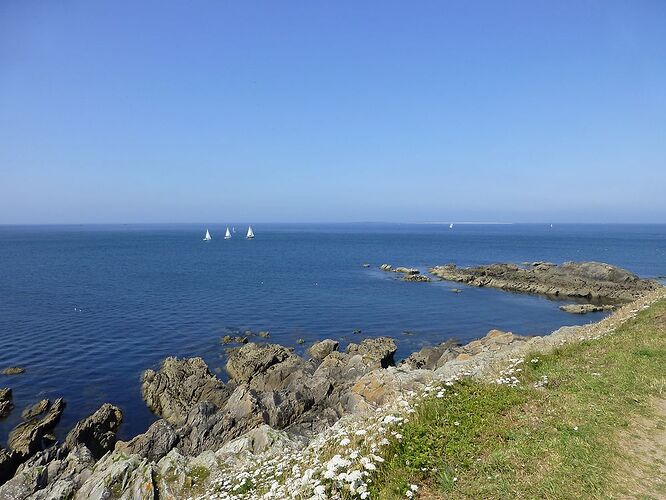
(85, 309)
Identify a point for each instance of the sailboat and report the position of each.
(450, 226)
(207, 237)
(227, 235)
(250, 233)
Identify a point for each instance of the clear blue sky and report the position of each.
(177, 111)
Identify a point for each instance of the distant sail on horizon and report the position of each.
(250, 233)
(207, 237)
(451, 226)
(227, 235)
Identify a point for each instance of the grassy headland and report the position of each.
(587, 420)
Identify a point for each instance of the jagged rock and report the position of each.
(50, 474)
(253, 359)
(26, 439)
(6, 465)
(36, 409)
(377, 351)
(386, 267)
(323, 348)
(120, 476)
(98, 431)
(179, 385)
(155, 443)
(13, 370)
(590, 280)
(5, 401)
(416, 277)
(431, 358)
(584, 308)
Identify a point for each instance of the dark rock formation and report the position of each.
(27, 438)
(377, 352)
(590, 280)
(36, 409)
(156, 442)
(179, 385)
(431, 358)
(98, 431)
(5, 401)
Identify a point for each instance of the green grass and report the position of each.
(564, 440)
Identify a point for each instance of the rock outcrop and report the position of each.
(27, 438)
(36, 409)
(5, 401)
(589, 280)
(179, 385)
(98, 431)
(408, 273)
(323, 348)
(585, 308)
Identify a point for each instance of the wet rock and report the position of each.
(179, 385)
(264, 335)
(590, 280)
(5, 401)
(13, 370)
(386, 267)
(300, 341)
(227, 339)
(36, 409)
(323, 348)
(155, 443)
(98, 431)
(584, 308)
(26, 439)
(366, 265)
(377, 352)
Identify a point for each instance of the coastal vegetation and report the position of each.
(585, 421)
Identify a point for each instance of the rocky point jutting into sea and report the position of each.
(280, 415)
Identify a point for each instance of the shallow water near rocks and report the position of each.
(85, 309)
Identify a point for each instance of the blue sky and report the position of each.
(205, 111)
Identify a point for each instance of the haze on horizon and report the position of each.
(339, 111)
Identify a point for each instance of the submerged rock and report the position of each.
(13, 370)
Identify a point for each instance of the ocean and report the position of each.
(85, 309)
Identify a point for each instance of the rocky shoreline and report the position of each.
(275, 403)
(594, 281)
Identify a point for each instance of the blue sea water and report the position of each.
(85, 309)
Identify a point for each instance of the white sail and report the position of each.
(450, 226)
(250, 233)
(227, 235)
(207, 237)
